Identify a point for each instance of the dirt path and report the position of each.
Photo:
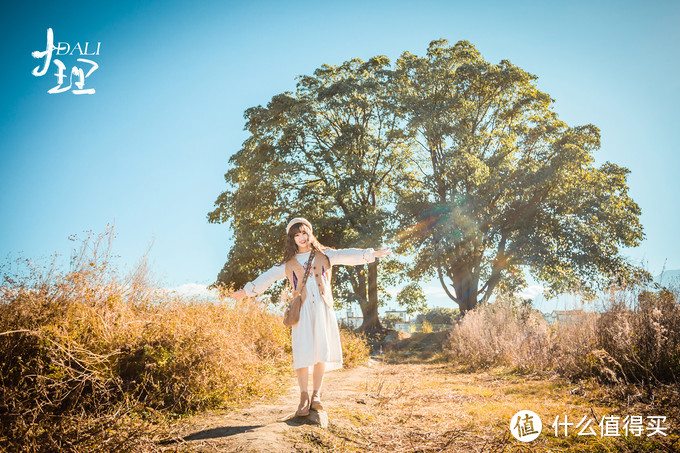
(265, 427)
(415, 406)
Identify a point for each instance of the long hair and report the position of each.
(291, 247)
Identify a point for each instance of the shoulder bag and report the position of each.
(292, 314)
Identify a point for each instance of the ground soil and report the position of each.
(408, 399)
(266, 426)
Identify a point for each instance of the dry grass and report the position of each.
(502, 333)
(434, 407)
(355, 349)
(630, 354)
(91, 360)
(624, 345)
(643, 341)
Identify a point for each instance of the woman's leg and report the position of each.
(317, 375)
(319, 369)
(303, 378)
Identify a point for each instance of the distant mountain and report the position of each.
(668, 277)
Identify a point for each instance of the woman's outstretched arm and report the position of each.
(261, 283)
(354, 257)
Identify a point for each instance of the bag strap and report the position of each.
(308, 269)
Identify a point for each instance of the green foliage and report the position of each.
(439, 315)
(505, 184)
(389, 321)
(412, 298)
(332, 152)
(463, 162)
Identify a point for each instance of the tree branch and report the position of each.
(448, 293)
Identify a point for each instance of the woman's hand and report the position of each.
(238, 295)
(381, 253)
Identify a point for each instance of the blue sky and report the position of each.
(149, 149)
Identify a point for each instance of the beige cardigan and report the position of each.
(321, 267)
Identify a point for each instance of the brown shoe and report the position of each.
(303, 407)
(316, 401)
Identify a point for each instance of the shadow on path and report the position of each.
(227, 431)
(266, 428)
(214, 433)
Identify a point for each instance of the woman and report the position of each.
(316, 337)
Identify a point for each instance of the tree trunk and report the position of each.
(371, 321)
(466, 286)
(360, 290)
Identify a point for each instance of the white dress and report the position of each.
(316, 337)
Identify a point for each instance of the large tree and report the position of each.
(328, 152)
(505, 185)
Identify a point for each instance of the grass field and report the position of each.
(428, 405)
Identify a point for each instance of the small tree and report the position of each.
(389, 321)
(439, 315)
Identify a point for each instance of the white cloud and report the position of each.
(531, 291)
(194, 290)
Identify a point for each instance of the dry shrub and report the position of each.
(355, 349)
(502, 333)
(88, 360)
(192, 356)
(644, 341)
(638, 344)
(415, 347)
(571, 343)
